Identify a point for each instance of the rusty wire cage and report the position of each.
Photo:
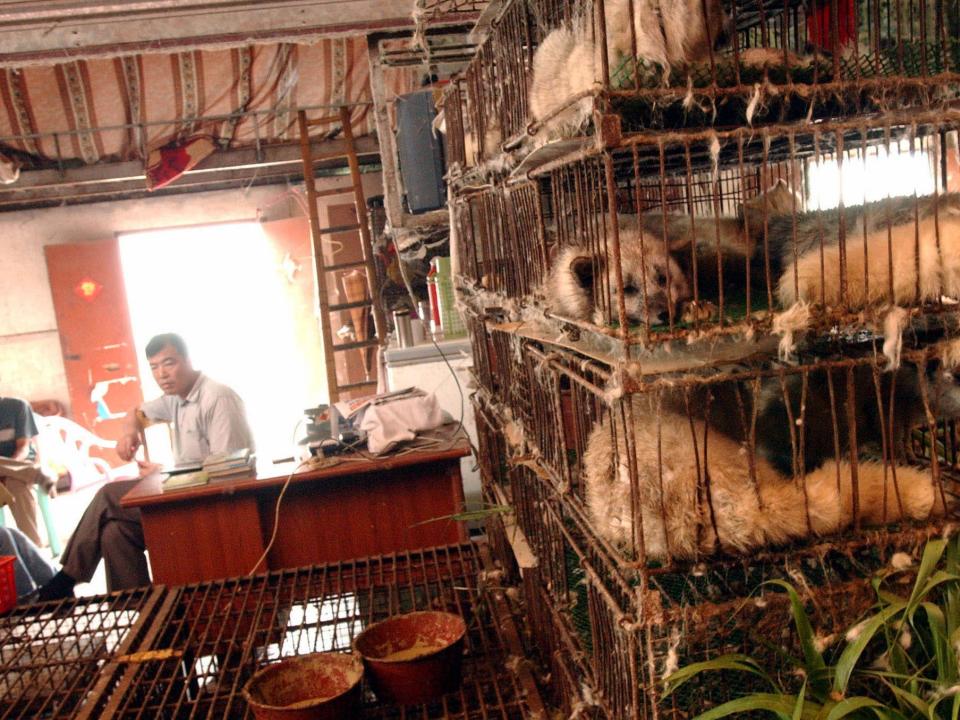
(633, 622)
(53, 660)
(795, 172)
(719, 232)
(760, 425)
(741, 62)
(187, 652)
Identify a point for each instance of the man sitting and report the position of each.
(207, 418)
(19, 470)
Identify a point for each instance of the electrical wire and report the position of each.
(429, 331)
(276, 509)
(422, 442)
(276, 519)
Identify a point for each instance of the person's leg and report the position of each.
(31, 568)
(85, 548)
(24, 507)
(123, 554)
(40, 569)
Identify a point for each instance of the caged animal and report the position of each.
(684, 517)
(653, 279)
(567, 62)
(920, 235)
(729, 410)
(873, 420)
(581, 284)
(730, 237)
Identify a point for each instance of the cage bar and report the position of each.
(187, 652)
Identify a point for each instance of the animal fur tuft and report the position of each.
(872, 233)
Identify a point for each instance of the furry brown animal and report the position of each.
(874, 232)
(723, 245)
(677, 521)
(775, 444)
(732, 236)
(653, 283)
(731, 407)
(568, 61)
(564, 65)
(668, 34)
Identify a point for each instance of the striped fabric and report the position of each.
(75, 99)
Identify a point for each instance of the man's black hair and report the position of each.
(159, 342)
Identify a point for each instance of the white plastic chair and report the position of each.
(62, 443)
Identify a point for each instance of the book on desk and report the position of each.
(226, 466)
(216, 468)
(184, 480)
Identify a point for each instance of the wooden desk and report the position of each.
(356, 508)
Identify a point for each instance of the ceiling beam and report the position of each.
(59, 30)
(124, 180)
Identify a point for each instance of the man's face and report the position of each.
(173, 372)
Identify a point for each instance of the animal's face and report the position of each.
(665, 286)
(650, 287)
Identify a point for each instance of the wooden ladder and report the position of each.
(358, 308)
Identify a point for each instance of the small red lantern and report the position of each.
(88, 289)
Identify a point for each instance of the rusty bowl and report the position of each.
(413, 658)
(321, 686)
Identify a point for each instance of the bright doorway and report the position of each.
(227, 289)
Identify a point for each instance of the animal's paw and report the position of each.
(698, 311)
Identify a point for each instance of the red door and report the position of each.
(90, 303)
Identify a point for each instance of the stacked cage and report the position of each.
(709, 257)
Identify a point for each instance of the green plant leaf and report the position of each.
(954, 706)
(801, 696)
(952, 594)
(851, 653)
(932, 552)
(735, 662)
(888, 714)
(934, 581)
(481, 513)
(813, 660)
(848, 706)
(941, 651)
(909, 699)
(782, 705)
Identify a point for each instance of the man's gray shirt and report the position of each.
(210, 420)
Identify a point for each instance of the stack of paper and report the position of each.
(240, 463)
(181, 481)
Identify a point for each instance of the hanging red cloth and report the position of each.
(820, 28)
(166, 164)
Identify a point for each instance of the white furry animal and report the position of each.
(568, 61)
(652, 281)
(913, 246)
(677, 520)
(564, 65)
(667, 33)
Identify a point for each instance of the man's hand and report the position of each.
(128, 445)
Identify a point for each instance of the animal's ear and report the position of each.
(582, 268)
(680, 243)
